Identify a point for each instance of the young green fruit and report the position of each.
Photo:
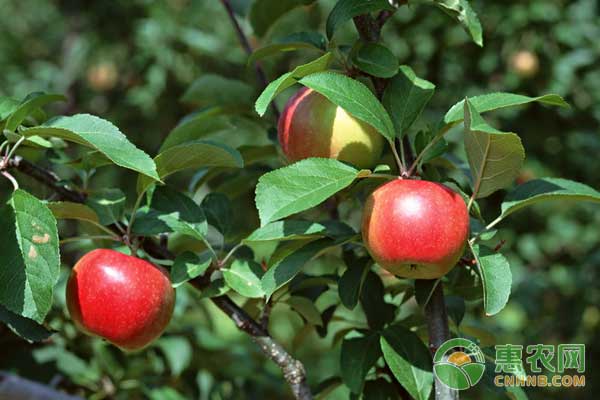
(313, 126)
(415, 229)
(123, 299)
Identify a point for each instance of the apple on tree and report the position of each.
(414, 228)
(313, 126)
(123, 299)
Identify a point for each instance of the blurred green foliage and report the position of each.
(131, 62)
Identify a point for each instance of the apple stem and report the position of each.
(437, 326)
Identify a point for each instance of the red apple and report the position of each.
(121, 298)
(415, 229)
(313, 126)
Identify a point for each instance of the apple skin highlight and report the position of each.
(415, 229)
(123, 299)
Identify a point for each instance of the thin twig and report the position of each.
(245, 43)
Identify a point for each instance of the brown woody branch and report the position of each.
(369, 29)
(293, 370)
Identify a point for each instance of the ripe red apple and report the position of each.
(121, 298)
(313, 126)
(415, 229)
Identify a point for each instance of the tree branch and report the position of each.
(260, 72)
(16, 388)
(369, 30)
(437, 326)
(46, 177)
(293, 370)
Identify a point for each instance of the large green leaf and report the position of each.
(194, 154)
(244, 276)
(375, 59)
(26, 328)
(495, 101)
(179, 353)
(461, 10)
(307, 310)
(8, 105)
(283, 270)
(377, 310)
(285, 230)
(292, 42)
(30, 263)
(496, 278)
(345, 10)
(188, 266)
(495, 157)
(544, 189)
(171, 211)
(27, 106)
(211, 89)
(218, 210)
(354, 97)
(405, 97)
(288, 79)
(197, 125)
(265, 13)
(98, 134)
(358, 356)
(351, 282)
(409, 360)
(300, 186)
(69, 210)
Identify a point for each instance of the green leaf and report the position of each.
(405, 97)
(178, 352)
(496, 278)
(422, 139)
(379, 389)
(69, 210)
(212, 89)
(244, 276)
(99, 134)
(456, 308)
(171, 211)
(495, 157)
(358, 356)
(293, 42)
(538, 190)
(192, 155)
(27, 106)
(354, 97)
(165, 393)
(461, 10)
(300, 186)
(288, 79)
(218, 211)
(378, 312)
(495, 101)
(345, 10)
(307, 309)
(188, 266)
(282, 271)
(265, 13)
(30, 263)
(196, 125)
(26, 328)
(351, 282)
(374, 59)
(285, 230)
(409, 360)
(108, 204)
(8, 105)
